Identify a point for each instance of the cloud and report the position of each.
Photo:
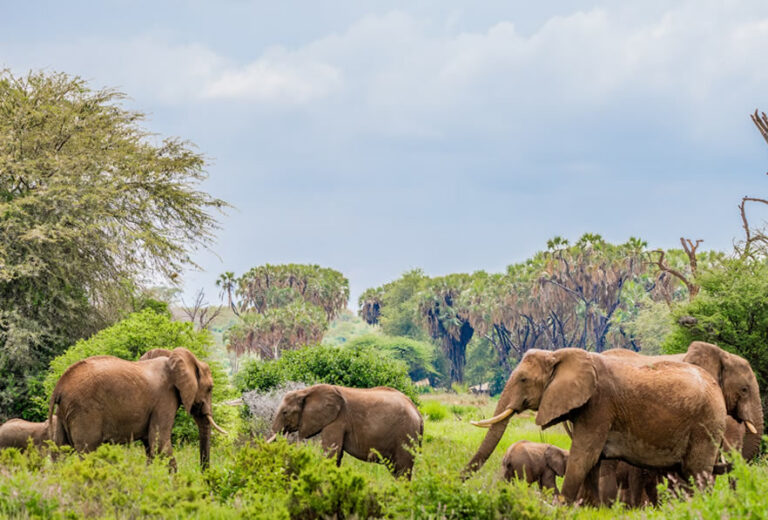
(278, 77)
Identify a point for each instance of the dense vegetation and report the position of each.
(282, 306)
(90, 203)
(295, 481)
(355, 366)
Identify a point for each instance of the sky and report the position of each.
(376, 137)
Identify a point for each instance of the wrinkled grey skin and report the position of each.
(15, 433)
(107, 399)
(535, 462)
(366, 423)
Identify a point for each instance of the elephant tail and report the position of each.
(56, 431)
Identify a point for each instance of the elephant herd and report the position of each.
(633, 419)
(644, 417)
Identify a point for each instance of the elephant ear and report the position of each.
(556, 459)
(707, 356)
(322, 405)
(572, 384)
(185, 374)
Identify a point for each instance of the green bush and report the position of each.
(357, 367)
(418, 355)
(434, 410)
(132, 337)
(731, 312)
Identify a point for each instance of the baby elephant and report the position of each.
(535, 462)
(16, 433)
(366, 423)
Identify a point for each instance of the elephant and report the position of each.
(354, 420)
(671, 415)
(108, 399)
(737, 382)
(535, 462)
(15, 433)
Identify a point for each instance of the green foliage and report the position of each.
(346, 327)
(286, 481)
(419, 356)
(283, 306)
(731, 312)
(88, 200)
(356, 367)
(132, 337)
(394, 307)
(434, 410)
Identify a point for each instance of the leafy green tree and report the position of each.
(284, 307)
(419, 356)
(394, 306)
(730, 311)
(88, 200)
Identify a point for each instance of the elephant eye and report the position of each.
(523, 379)
(744, 390)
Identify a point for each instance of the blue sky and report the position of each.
(375, 137)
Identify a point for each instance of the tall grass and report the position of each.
(280, 480)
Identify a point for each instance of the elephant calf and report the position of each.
(366, 423)
(16, 433)
(535, 462)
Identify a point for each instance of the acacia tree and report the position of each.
(284, 307)
(90, 203)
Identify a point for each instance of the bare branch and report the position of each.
(761, 122)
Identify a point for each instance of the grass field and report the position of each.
(286, 481)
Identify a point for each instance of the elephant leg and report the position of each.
(333, 440)
(547, 480)
(159, 442)
(609, 486)
(588, 442)
(635, 486)
(403, 463)
(700, 459)
(85, 435)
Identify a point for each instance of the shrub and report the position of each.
(289, 481)
(263, 405)
(418, 355)
(434, 410)
(132, 337)
(731, 312)
(350, 366)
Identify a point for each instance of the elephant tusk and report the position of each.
(271, 439)
(750, 427)
(487, 423)
(219, 428)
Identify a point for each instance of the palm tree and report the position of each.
(226, 283)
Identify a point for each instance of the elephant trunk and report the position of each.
(753, 413)
(496, 430)
(204, 427)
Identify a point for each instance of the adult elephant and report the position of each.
(108, 399)
(666, 416)
(737, 382)
(367, 423)
(16, 433)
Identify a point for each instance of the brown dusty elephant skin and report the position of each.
(737, 382)
(107, 399)
(155, 353)
(356, 421)
(535, 462)
(636, 487)
(15, 433)
(661, 416)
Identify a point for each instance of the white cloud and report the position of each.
(278, 78)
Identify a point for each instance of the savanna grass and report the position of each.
(280, 480)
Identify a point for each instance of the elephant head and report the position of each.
(194, 383)
(739, 386)
(556, 459)
(308, 411)
(554, 383)
(155, 353)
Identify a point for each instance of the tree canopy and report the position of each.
(90, 204)
(283, 307)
